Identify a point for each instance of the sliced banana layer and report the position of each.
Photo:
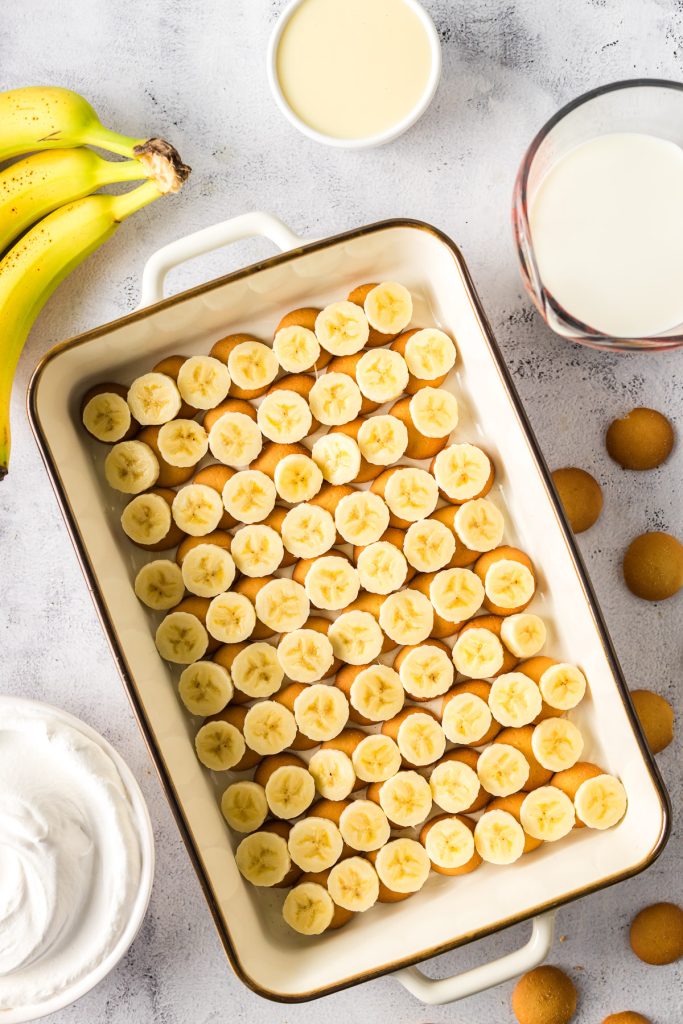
(429, 545)
(523, 634)
(338, 458)
(341, 328)
(107, 417)
(601, 801)
(208, 570)
(406, 799)
(388, 307)
(376, 693)
(361, 518)
(420, 739)
(203, 382)
(382, 375)
(502, 769)
(430, 354)
(382, 568)
(403, 865)
(382, 440)
(256, 670)
(230, 618)
(514, 699)
(308, 908)
(332, 583)
(263, 858)
(269, 727)
(321, 712)
(197, 509)
(411, 494)
(333, 774)
(353, 884)
(235, 439)
(434, 411)
(290, 791)
(219, 745)
(249, 496)
(296, 349)
(257, 550)
(181, 638)
(297, 478)
(284, 416)
(364, 826)
(159, 585)
(479, 524)
(244, 806)
(131, 467)
(449, 843)
(252, 365)
(547, 813)
(205, 688)
(305, 655)
(478, 653)
(557, 744)
(454, 785)
(462, 471)
(509, 584)
(407, 617)
(282, 605)
(182, 442)
(315, 844)
(154, 398)
(376, 758)
(308, 531)
(426, 672)
(499, 838)
(335, 399)
(457, 594)
(466, 718)
(563, 686)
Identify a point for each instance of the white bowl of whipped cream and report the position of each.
(76, 859)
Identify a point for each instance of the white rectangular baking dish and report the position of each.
(448, 912)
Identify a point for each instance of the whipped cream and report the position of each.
(70, 854)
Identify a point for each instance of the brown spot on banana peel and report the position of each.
(162, 163)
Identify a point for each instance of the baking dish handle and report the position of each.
(434, 992)
(214, 237)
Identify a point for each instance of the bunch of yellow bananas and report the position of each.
(52, 190)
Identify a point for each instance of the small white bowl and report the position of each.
(368, 141)
(69, 995)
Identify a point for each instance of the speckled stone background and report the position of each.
(194, 72)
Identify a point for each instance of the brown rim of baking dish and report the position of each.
(126, 676)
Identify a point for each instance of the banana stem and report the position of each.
(112, 171)
(124, 205)
(95, 134)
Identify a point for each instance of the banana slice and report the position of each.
(315, 844)
(403, 865)
(364, 826)
(256, 670)
(146, 520)
(333, 774)
(235, 440)
(356, 637)
(296, 348)
(305, 655)
(308, 531)
(208, 570)
(428, 545)
(376, 758)
(382, 568)
(406, 799)
(252, 365)
(454, 785)
(600, 802)
(269, 727)
(284, 416)
(411, 494)
(131, 467)
(523, 634)
(407, 617)
(107, 417)
(514, 699)
(219, 746)
(203, 382)
(205, 688)
(420, 739)
(249, 496)
(429, 354)
(308, 908)
(462, 472)
(341, 328)
(257, 550)
(197, 509)
(457, 594)
(182, 442)
(297, 478)
(502, 769)
(282, 605)
(466, 718)
(181, 638)
(509, 584)
(434, 411)
(361, 518)
(377, 694)
(388, 307)
(230, 618)
(332, 583)
(478, 654)
(382, 440)
(547, 813)
(154, 398)
(159, 585)
(263, 858)
(499, 838)
(338, 458)
(563, 686)
(335, 399)
(557, 744)
(426, 672)
(449, 843)
(479, 524)
(321, 711)
(290, 791)
(381, 375)
(353, 884)
(244, 806)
